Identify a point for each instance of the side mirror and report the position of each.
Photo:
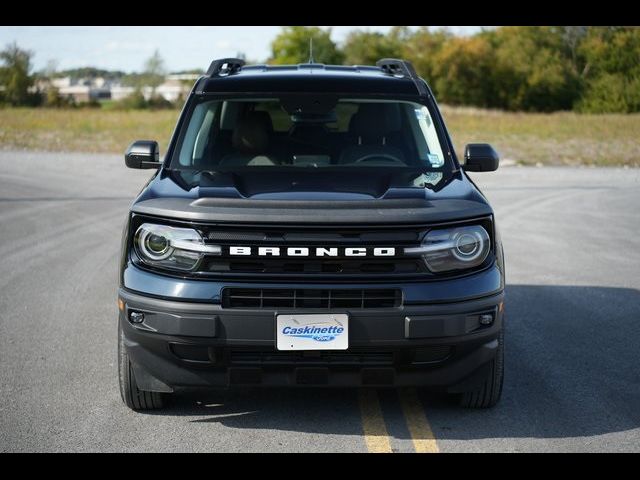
(480, 157)
(143, 154)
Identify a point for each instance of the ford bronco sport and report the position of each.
(311, 225)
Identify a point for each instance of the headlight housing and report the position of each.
(454, 248)
(171, 247)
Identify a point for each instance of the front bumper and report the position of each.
(185, 345)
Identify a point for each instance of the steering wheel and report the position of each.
(378, 156)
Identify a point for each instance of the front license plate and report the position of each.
(312, 332)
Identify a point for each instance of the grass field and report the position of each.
(525, 138)
(84, 130)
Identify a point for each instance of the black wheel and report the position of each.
(489, 392)
(132, 396)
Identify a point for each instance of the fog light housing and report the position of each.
(136, 317)
(486, 319)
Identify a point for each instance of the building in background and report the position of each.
(120, 92)
(82, 90)
(174, 87)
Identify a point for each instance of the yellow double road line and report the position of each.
(421, 434)
(375, 431)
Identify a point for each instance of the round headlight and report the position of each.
(154, 245)
(454, 248)
(468, 246)
(157, 244)
(170, 247)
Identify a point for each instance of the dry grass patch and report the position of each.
(562, 138)
(83, 130)
(528, 138)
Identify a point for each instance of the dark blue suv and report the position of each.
(311, 225)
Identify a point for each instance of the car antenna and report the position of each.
(311, 60)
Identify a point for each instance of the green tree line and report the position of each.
(588, 69)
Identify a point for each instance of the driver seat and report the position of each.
(370, 128)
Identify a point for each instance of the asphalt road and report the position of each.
(572, 242)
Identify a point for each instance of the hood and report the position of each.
(322, 197)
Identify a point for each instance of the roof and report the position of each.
(316, 78)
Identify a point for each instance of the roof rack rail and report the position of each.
(396, 67)
(225, 66)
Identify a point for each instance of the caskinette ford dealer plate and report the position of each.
(312, 332)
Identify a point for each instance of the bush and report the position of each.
(611, 92)
(423, 48)
(93, 103)
(158, 102)
(137, 101)
(463, 72)
(53, 99)
(366, 48)
(533, 70)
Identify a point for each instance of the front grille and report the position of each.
(310, 298)
(284, 266)
(311, 238)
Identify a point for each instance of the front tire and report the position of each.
(488, 394)
(132, 396)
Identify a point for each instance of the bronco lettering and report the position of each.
(317, 252)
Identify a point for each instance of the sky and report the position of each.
(127, 47)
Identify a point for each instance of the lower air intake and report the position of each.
(308, 298)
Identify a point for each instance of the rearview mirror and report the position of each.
(480, 157)
(143, 154)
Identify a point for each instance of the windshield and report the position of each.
(311, 132)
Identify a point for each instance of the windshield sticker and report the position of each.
(428, 178)
(422, 114)
(435, 160)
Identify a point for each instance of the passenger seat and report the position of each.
(250, 140)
